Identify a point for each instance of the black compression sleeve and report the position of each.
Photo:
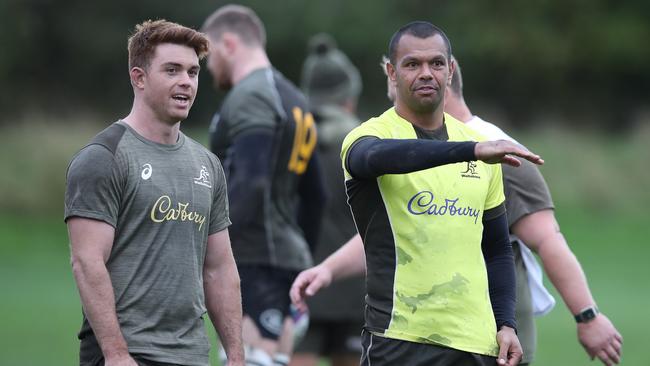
(249, 178)
(312, 201)
(499, 261)
(371, 157)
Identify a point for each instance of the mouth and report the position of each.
(182, 99)
(425, 89)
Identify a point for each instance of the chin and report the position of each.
(177, 117)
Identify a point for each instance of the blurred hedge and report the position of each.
(581, 60)
(586, 170)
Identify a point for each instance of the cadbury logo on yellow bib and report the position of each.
(423, 203)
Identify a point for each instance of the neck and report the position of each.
(458, 109)
(428, 121)
(247, 61)
(144, 121)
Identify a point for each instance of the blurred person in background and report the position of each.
(332, 85)
(266, 137)
(532, 223)
(423, 307)
(147, 215)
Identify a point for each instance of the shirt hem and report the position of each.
(167, 357)
(422, 340)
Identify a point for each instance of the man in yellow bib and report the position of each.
(440, 274)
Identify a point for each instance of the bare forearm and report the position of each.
(565, 272)
(98, 300)
(223, 301)
(349, 260)
(541, 233)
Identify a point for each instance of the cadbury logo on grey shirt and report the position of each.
(422, 203)
(164, 210)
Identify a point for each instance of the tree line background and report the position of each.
(577, 62)
(569, 78)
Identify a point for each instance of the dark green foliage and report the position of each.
(584, 60)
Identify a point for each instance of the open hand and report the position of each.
(503, 151)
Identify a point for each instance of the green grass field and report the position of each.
(41, 310)
(600, 194)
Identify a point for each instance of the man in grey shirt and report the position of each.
(147, 215)
(532, 224)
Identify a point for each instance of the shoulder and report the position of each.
(489, 130)
(101, 148)
(287, 89)
(93, 163)
(109, 138)
(459, 131)
(382, 126)
(251, 103)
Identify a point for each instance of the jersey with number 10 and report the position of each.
(266, 101)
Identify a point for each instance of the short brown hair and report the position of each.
(149, 34)
(237, 19)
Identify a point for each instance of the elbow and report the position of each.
(83, 268)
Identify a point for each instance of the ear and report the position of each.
(230, 41)
(138, 77)
(452, 68)
(390, 71)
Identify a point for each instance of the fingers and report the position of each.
(503, 353)
(510, 160)
(533, 158)
(613, 354)
(610, 354)
(525, 154)
(618, 345)
(604, 357)
(503, 151)
(296, 293)
(619, 337)
(307, 284)
(514, 356)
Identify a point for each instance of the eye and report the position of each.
(193, 73)
(171, 70)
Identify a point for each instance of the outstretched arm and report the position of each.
(371, 157)
(223, 296)
(90, 243)
(541, 233)
(349, 260)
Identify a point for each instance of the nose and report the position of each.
(185, 80)
(425, 72)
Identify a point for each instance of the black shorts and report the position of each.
(327, 338)
(265, 296)
(381, 351)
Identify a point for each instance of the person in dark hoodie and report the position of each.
(332, 85)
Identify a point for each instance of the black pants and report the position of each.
(381, 351)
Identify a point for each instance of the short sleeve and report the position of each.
(248, 111)
(93, 185)
(526, 191)
(219, 211)
(495, 194)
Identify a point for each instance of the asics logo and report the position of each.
(146, 171)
